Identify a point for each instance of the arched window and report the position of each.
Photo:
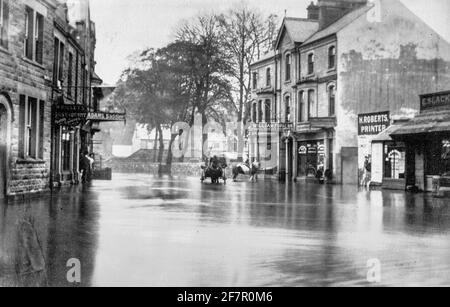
(267, 106)
(332, 100)
(288, 109)
(301, 107)
(268, 77)
(312, 109)
(288, 67)
(311, 63)
(332, 57)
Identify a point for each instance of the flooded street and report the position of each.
(144, 231)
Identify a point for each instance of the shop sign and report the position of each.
(373, 123)
(302, 150)
(312, 149)
(106, 117)
(433, 101)
(69, 115)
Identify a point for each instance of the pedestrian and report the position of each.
(86, 167)
(367, 172)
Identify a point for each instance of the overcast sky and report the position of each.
(124, 26)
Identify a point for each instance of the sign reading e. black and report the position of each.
(435, 101)
(373, 123)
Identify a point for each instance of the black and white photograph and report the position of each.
(200, 145)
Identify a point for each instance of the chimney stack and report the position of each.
(313, 11)
(332, 10)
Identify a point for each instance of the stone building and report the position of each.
(47, 76)
(360, 58)
(26, 63)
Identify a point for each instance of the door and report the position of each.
(349, 165)
(3, 148)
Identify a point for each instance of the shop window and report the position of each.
(4, 23)
(394, 160)
(31, 119)
(311, 158)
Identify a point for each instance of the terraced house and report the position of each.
(46, 63)
(347, 59)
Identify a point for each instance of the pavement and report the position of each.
(139, 230)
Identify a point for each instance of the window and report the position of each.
(311, 63)
(288, 67)
(268, 77)
(31, 127)
(4, 22)
(395, 160)
(288, 109)
(301, 107)
(446, 157)
(254, 113)
(331, 101)
(58, 64)
(260, 111)
(267, 110)
(69, 77)
(311, 104)
(255, 80)
(34, 36)
(77, 64)
(332, 57)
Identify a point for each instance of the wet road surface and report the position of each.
(140, 230)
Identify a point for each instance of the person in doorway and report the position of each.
(367, 174)
(86, 167)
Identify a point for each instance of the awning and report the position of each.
(385, 136)
(427, 122)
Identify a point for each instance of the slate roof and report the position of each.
(298, 29)
(338, 25)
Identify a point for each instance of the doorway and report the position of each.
(4, 134)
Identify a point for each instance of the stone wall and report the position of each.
(177, 169)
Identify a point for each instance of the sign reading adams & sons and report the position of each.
(373, 123)
(435, 101)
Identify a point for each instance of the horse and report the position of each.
(245, 169)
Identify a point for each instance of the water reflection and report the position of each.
(39, 236)
(146, 231)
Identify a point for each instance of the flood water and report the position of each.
(139, 230)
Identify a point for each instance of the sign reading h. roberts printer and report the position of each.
(373, 123)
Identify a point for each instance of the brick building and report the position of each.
(361, 58)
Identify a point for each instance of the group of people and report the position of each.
(86, 166)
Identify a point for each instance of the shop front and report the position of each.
(427, 143)
(313, 155)
(66, 143)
